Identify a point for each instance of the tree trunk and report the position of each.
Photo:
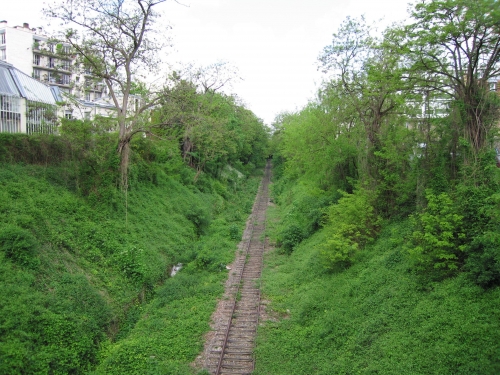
(124, 151)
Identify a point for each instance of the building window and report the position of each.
(36, 73)
(10, 116)
(3, 54)
(87, 96)
(97, 95)
(52, 62)
(41, 118)
(66, 65)
(36, 59)
(68, 115)
(87, 115)
(2, 38)
(65, 79)
(51, 48)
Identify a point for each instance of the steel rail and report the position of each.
(259, 208)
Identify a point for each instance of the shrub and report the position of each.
(130, 262)
(199, 216)
(479, 206)
(351, 224)
(290, 237)
(483, 262)
(19, 245)
(437, 243)
(338, 251)
(234, 232)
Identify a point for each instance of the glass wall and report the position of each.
(41, 118)
(10, 116)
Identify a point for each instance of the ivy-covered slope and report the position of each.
(84, 267)
(375, 317)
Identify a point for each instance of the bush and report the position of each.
(438, 239)
(479, 206)
(290, 237)
(199, 216)
(483, 262)
(234, 232)
(19, 245)
(351, 224)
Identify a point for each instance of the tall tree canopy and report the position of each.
(453, 47)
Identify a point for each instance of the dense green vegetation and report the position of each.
(375, 317)
(85, 265)
(386, 223)
(387, 218)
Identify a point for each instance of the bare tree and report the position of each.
(211, 78)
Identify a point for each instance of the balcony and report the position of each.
(55, 79)
(60, 81)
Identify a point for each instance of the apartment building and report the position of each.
(32, 52)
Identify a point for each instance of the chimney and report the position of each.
(26, 25)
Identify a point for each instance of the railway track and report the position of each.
(229, 350)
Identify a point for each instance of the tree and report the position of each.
(367, 74)
(454, 49)
(211, 127)
(213, 77)
(321, 141)
(114, 41)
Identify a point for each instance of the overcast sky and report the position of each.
(273, 43)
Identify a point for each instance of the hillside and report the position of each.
(375, 317)
(85, 269)
(387, 214)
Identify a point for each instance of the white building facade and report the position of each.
(33, 53)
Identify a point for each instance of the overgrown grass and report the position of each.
(375, 317)
(169, 333)
(85, 280)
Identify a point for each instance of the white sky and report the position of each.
(273, 43)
